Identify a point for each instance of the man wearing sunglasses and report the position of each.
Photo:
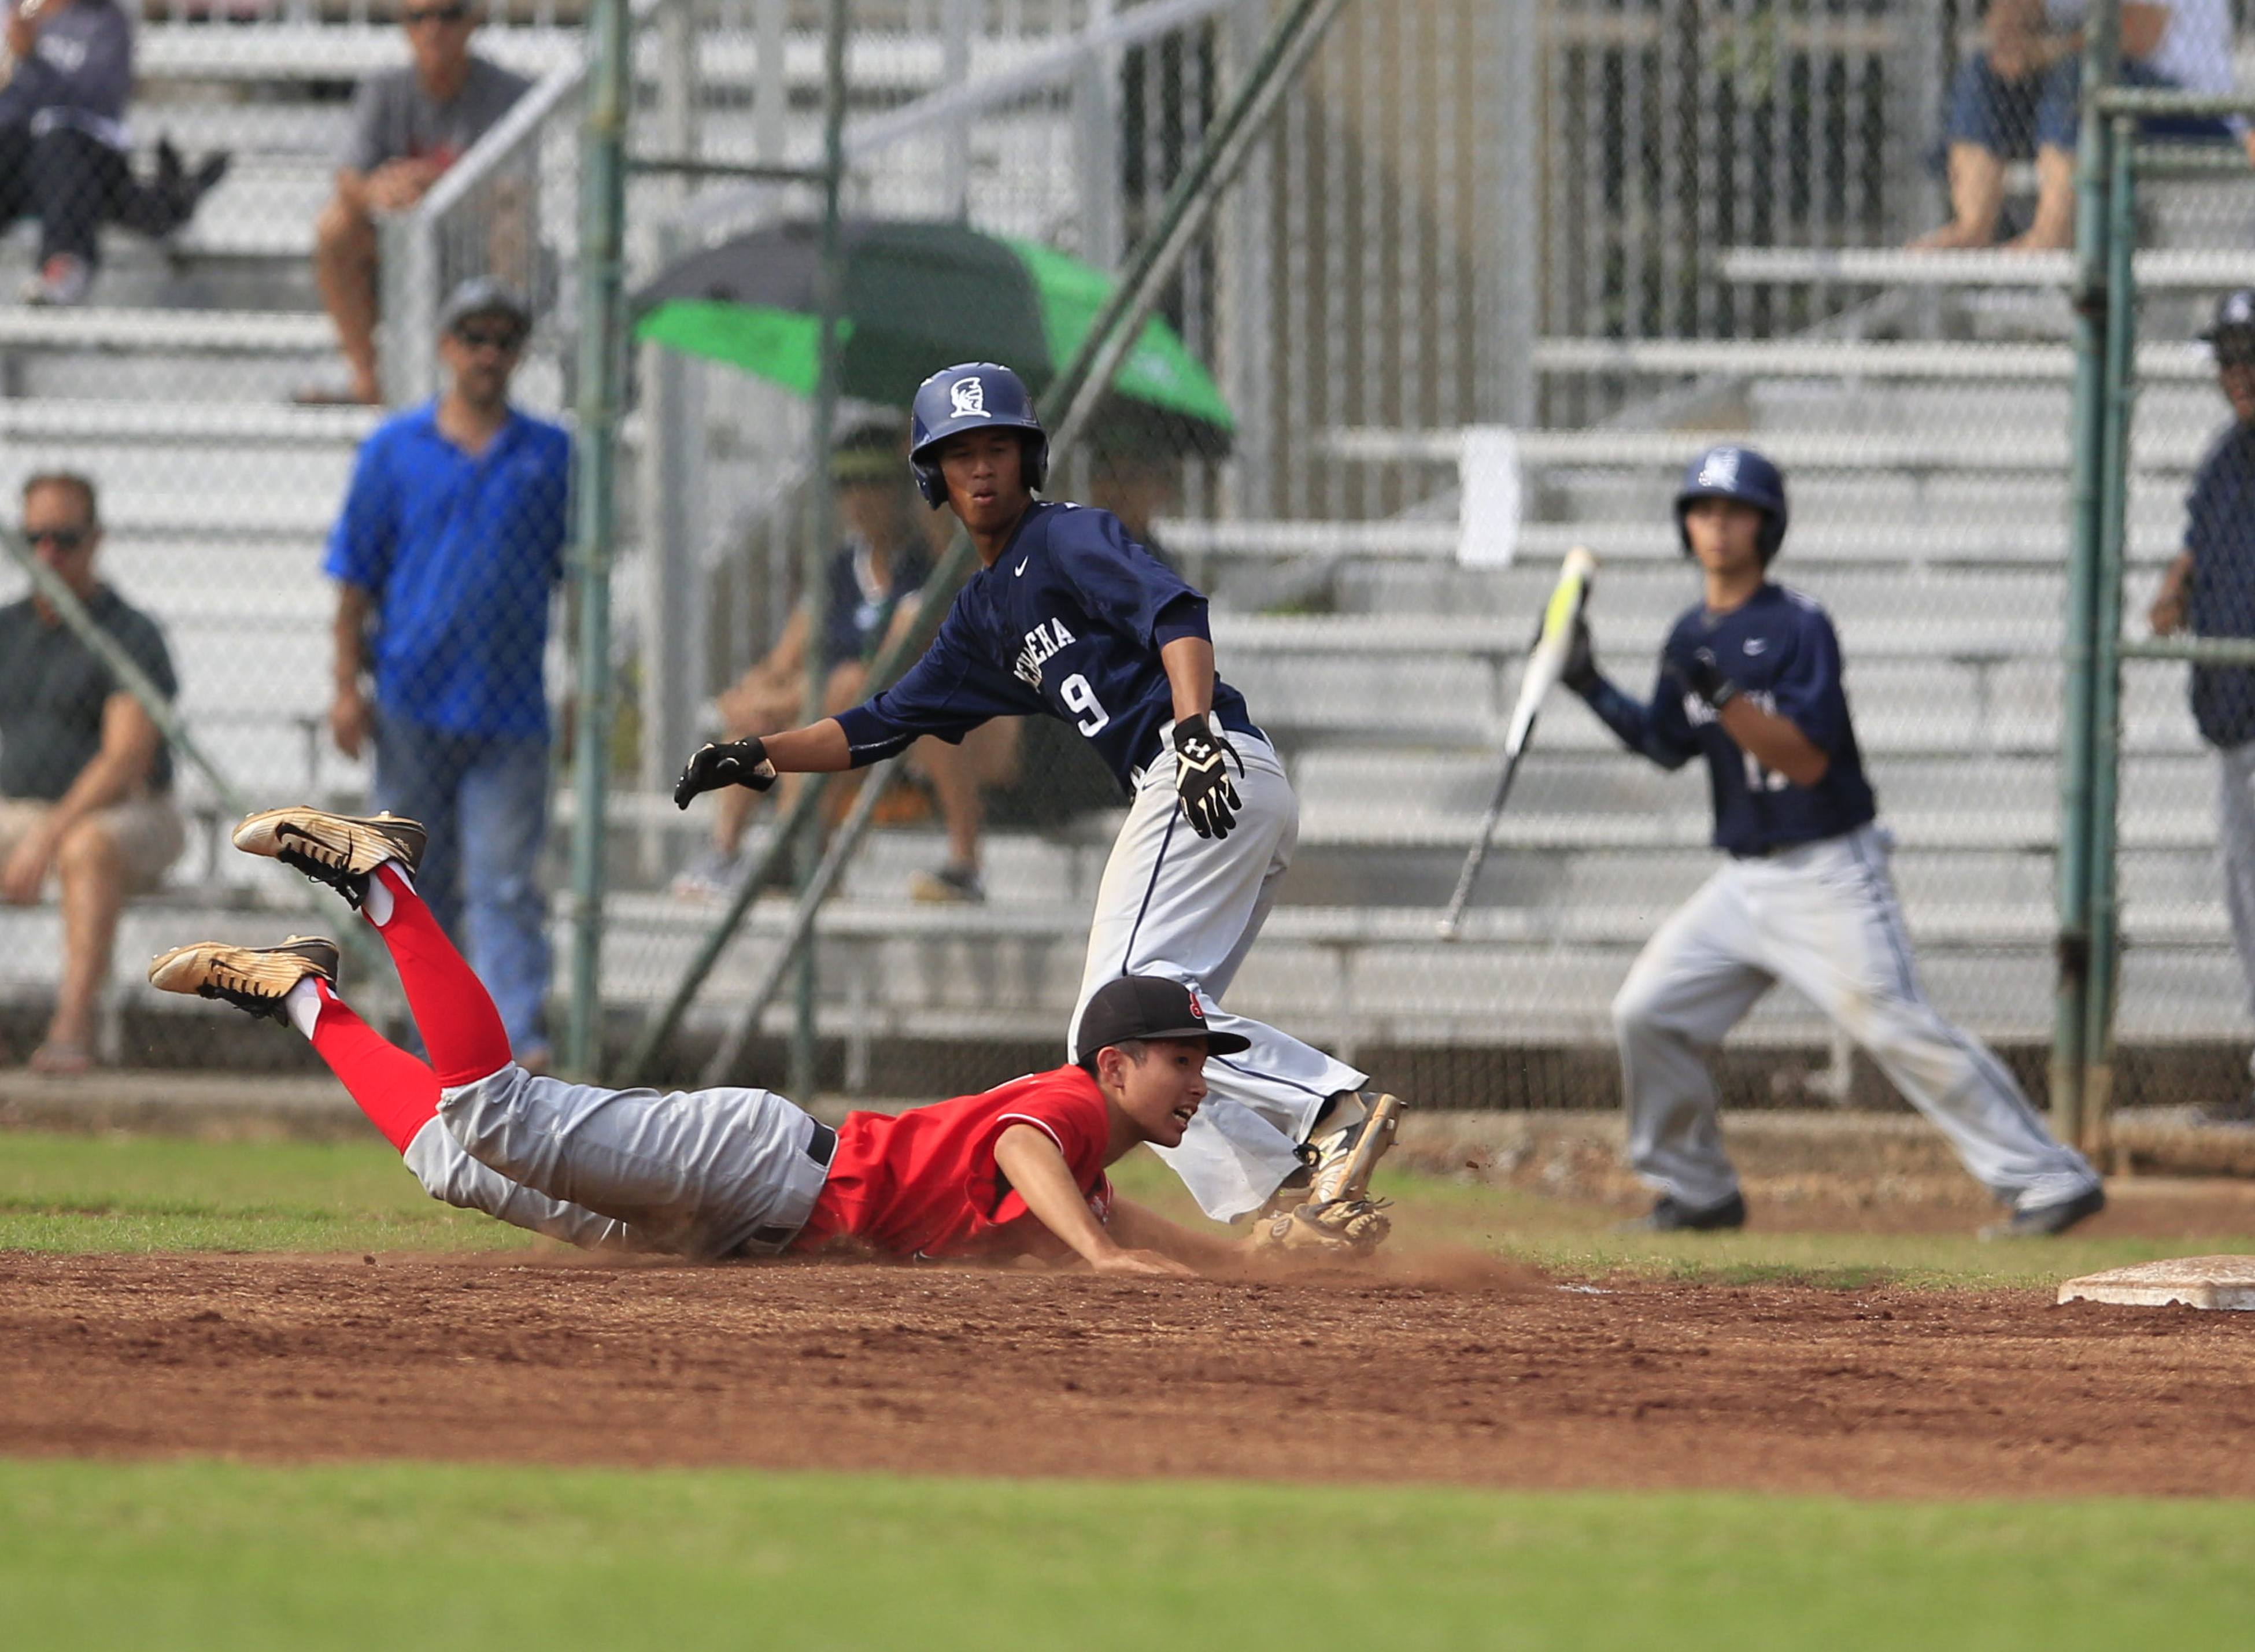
(409, 126)
(2210, 591)
(447, 554)
(85, 776)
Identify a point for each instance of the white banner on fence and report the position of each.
(1487, 483)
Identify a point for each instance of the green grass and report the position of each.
(201, 1554)
(148, 1194)
(153, 1193)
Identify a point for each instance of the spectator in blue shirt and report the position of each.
(2210, 591)
(449, 548)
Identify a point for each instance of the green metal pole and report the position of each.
(2107, 636)
(2072, 1008)
(1227, 142)
(602, 258)
(822, 526)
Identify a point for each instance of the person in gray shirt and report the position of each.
(409, 126)
(86, 779)
(63, 155)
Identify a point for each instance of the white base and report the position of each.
(2196, 1282)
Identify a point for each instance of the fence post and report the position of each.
(2070, 1052)
(2106, 639)
(602, 223)
(822, 520)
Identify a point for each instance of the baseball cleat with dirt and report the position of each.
(1347, 1155)
(340, 850)
(253, 979)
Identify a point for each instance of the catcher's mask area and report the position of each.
(972, 396)
(1739, 474)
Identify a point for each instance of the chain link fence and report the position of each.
(1494, 274)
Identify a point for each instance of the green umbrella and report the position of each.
(917, 297)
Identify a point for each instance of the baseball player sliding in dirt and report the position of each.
(1070, 617)
(1751, 680)
(724, 1173)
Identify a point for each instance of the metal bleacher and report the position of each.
(1929, 483)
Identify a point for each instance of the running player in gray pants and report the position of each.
(1751, 680)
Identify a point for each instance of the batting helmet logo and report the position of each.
(967, 398)
(1719, 470)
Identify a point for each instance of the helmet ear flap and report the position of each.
(1035, 469)
(929, 482)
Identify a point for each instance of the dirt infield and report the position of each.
(1452, 1370)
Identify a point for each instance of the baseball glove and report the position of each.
(1341, 1227)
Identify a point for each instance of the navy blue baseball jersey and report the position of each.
(1069, 621)
(857, 616)
(1781, 651)
(2220, 533)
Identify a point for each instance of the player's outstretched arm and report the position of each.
(756, 762)
(1140, 1228)
(1037, 1172)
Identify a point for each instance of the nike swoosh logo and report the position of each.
(1755, 644)
(1021, 564)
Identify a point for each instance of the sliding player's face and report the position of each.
(1160, 1093)
(1725, 534)
(985, 471)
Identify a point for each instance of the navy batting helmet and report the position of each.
(1740, 474)
(972, 396)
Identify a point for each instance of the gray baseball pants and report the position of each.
(704, 1174)
(1823, 917)
(1188, 908)
(2235, 845)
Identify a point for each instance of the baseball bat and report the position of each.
(1545, 661)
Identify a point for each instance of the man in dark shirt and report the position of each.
(85, 776)
(1750, 681)
(2209, 590)
(409, 126)
(875, 579)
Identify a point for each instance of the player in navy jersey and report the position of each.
(1069, 617)
(1750, 681)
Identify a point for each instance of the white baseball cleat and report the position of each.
(253, 979)
(340, 850)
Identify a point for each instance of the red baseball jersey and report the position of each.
(923, 1183)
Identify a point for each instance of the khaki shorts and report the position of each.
(148, 829)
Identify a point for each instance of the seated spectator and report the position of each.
(874, 578)
(409, 126)
(2020, 97)
(63, 156)
(85, 775)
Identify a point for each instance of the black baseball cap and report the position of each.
(1148, 1007)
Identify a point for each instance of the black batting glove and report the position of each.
(1202, 760)
(1581, 673)
(1697, 670)
(732, 763)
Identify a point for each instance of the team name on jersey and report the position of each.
(1043, 642)
(1699, 713)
